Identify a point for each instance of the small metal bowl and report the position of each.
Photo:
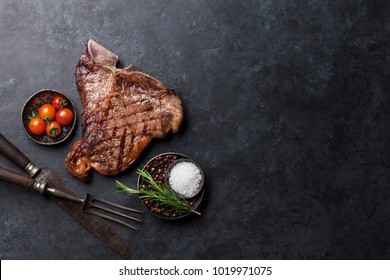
(168, 173)
(39, 98)
(195, 201)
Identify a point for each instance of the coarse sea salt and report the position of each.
(185, 179)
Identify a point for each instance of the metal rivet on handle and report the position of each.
(40, 187)
(32, 170)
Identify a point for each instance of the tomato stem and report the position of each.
(46, 121)
(62, 103)
(33, 115)
(53, 132)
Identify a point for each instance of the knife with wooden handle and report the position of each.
(94, 224)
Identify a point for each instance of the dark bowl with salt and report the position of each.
(159, 167)
(185, 178)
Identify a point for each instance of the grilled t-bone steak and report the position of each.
(123, 110)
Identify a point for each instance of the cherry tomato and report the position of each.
(53, 129)
(47, 112)
(64, 116)
(36, 126)
(58, 102)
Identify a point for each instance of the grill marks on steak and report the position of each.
(123, 110)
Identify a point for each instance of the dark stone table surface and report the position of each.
(286, 109)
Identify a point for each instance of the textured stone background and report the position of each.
(286, 109)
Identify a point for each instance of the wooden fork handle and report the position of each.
(20, 180)
(17, 157)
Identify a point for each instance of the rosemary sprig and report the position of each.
(159, 193)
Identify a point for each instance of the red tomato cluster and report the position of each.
(51, 118)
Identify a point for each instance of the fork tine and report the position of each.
(90, 203)
(112, 219)
(115, 212)
(116, 205)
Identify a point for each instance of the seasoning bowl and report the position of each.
(33, 104)
(168, 173)
(161, 163)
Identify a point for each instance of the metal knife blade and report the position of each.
(94, 224)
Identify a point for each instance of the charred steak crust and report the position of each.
(122, 111)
